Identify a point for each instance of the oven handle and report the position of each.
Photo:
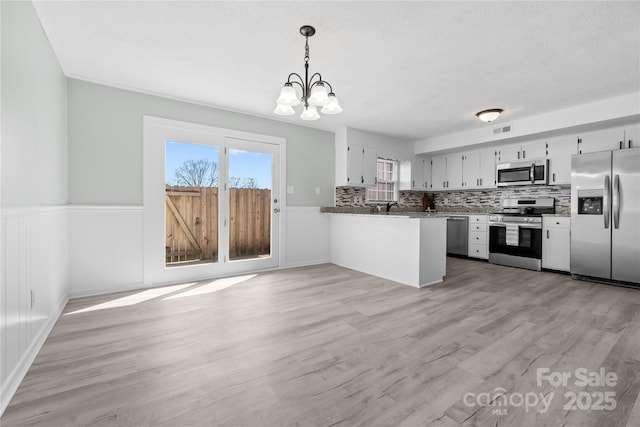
(502, 224)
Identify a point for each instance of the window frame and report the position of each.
(380, 179)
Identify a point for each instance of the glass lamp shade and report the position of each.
(319, 95)
(288, 96)
(284, 110)
(310, 113)
(489, 115)
(333, 106)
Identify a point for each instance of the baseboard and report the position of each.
(112, 290)
(10, 386)
(306, 263)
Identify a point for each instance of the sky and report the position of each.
(242, 164)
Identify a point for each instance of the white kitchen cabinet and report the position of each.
(478, 238)
(471, 169)
(559, 152)
(479, 169)
(439, 173)
(369, 167)
(604, 140)
(454, 171)
(556, 243)
(361, 166)
(632, 136)
(521, 152)
(420, 174)
(488, 168)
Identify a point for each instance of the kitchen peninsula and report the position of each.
(406, 247)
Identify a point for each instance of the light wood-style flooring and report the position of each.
(328, 346)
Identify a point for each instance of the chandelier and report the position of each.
(314, 93)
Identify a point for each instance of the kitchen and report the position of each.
(443, 232)
(513, 206)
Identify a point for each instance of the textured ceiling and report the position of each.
(408, 69)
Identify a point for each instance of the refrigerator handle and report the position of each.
(605, 201)
(616, 201)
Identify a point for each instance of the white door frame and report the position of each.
(156, 131)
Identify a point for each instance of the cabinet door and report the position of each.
(533, 150)
(556, 246)
(488, 168)
(427, 174)
(355, 154)
(632, 137)
(417, 173)
(471, 169)
(509, 153)
(559, 152)
(454, 171)
(605, 140)
(439, 173)
(370, 167)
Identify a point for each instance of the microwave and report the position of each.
(531, 172)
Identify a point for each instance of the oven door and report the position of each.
(528, 245)
(523, 173)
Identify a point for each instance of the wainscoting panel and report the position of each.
(106, 247)
(33, 287)
(307, 237)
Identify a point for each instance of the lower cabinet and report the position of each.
(478, 239)
(556, 243)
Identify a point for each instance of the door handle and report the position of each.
(532, 175)
(547, 234)
(605, 196)
(616, 201)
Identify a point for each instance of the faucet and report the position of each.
(389, 205)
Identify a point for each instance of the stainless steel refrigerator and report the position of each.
(605, 215)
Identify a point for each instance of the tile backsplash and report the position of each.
(489, 199)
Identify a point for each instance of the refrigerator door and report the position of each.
(591, 214)
(625, 213)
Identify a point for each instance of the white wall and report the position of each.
(105, 145)
(33, 163)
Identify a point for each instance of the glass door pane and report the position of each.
(250, 201)
(192, 182)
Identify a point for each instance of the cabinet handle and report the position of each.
(425, 185)
(629, 144)
(362, 179)
(518, 154)
(554, 177)
(444, 184)
(413, 183)
(481, 181)
(547, 234)
(524, 154)
(477, 182)
(621, 145)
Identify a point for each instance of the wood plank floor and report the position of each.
(327, 346)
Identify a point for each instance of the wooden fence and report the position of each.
(192, 223)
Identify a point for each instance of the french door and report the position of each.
(212, 202)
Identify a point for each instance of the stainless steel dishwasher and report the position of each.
(458, 235)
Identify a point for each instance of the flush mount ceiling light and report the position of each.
(489, 115)
(314, 93)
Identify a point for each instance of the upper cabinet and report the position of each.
(559, 152)
(604, 140)
(520, 152)
(479, 168)
(356, 165)
(439, 173)
(420, 174)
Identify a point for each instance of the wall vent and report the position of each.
(502, 129)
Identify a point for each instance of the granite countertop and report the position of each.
(559, 214)
(411, 212)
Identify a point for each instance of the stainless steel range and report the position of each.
(515, 234)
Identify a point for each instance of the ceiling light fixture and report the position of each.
(489, 115)
(314, 94)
